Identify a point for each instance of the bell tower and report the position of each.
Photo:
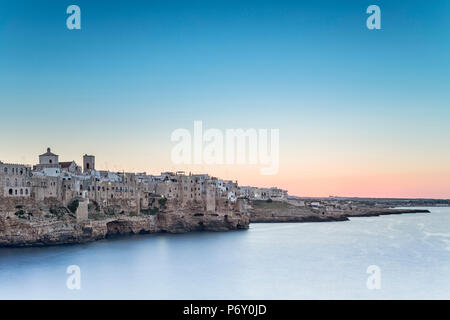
(88, 163)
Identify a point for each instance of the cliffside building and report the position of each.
(67, 182)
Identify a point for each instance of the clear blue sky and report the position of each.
(137, 70)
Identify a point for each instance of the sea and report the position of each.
(403, 256)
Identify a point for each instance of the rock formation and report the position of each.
(263, 211)
(24, 222)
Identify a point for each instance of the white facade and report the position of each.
(48, 158)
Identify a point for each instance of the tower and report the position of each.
(88, 163)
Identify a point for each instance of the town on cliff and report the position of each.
(57, 202)
(67, 182)
(52, 192)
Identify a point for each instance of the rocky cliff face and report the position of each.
(262, 211)
(35, 224)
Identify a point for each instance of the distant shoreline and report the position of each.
(23, 233)
(274, 212)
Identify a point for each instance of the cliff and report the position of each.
(262, 211)
(32, 223)
(48, 223)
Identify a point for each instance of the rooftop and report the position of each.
(48, 153)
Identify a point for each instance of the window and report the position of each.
(5, 170)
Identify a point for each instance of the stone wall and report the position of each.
(82, 210)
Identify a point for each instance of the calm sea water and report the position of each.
(269, 261)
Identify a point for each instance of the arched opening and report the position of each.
(10, 192)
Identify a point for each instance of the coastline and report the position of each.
(287, 212)
(298, 248)
(23, 233)
(14, 233)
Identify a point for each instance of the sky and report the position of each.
(360, 112)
